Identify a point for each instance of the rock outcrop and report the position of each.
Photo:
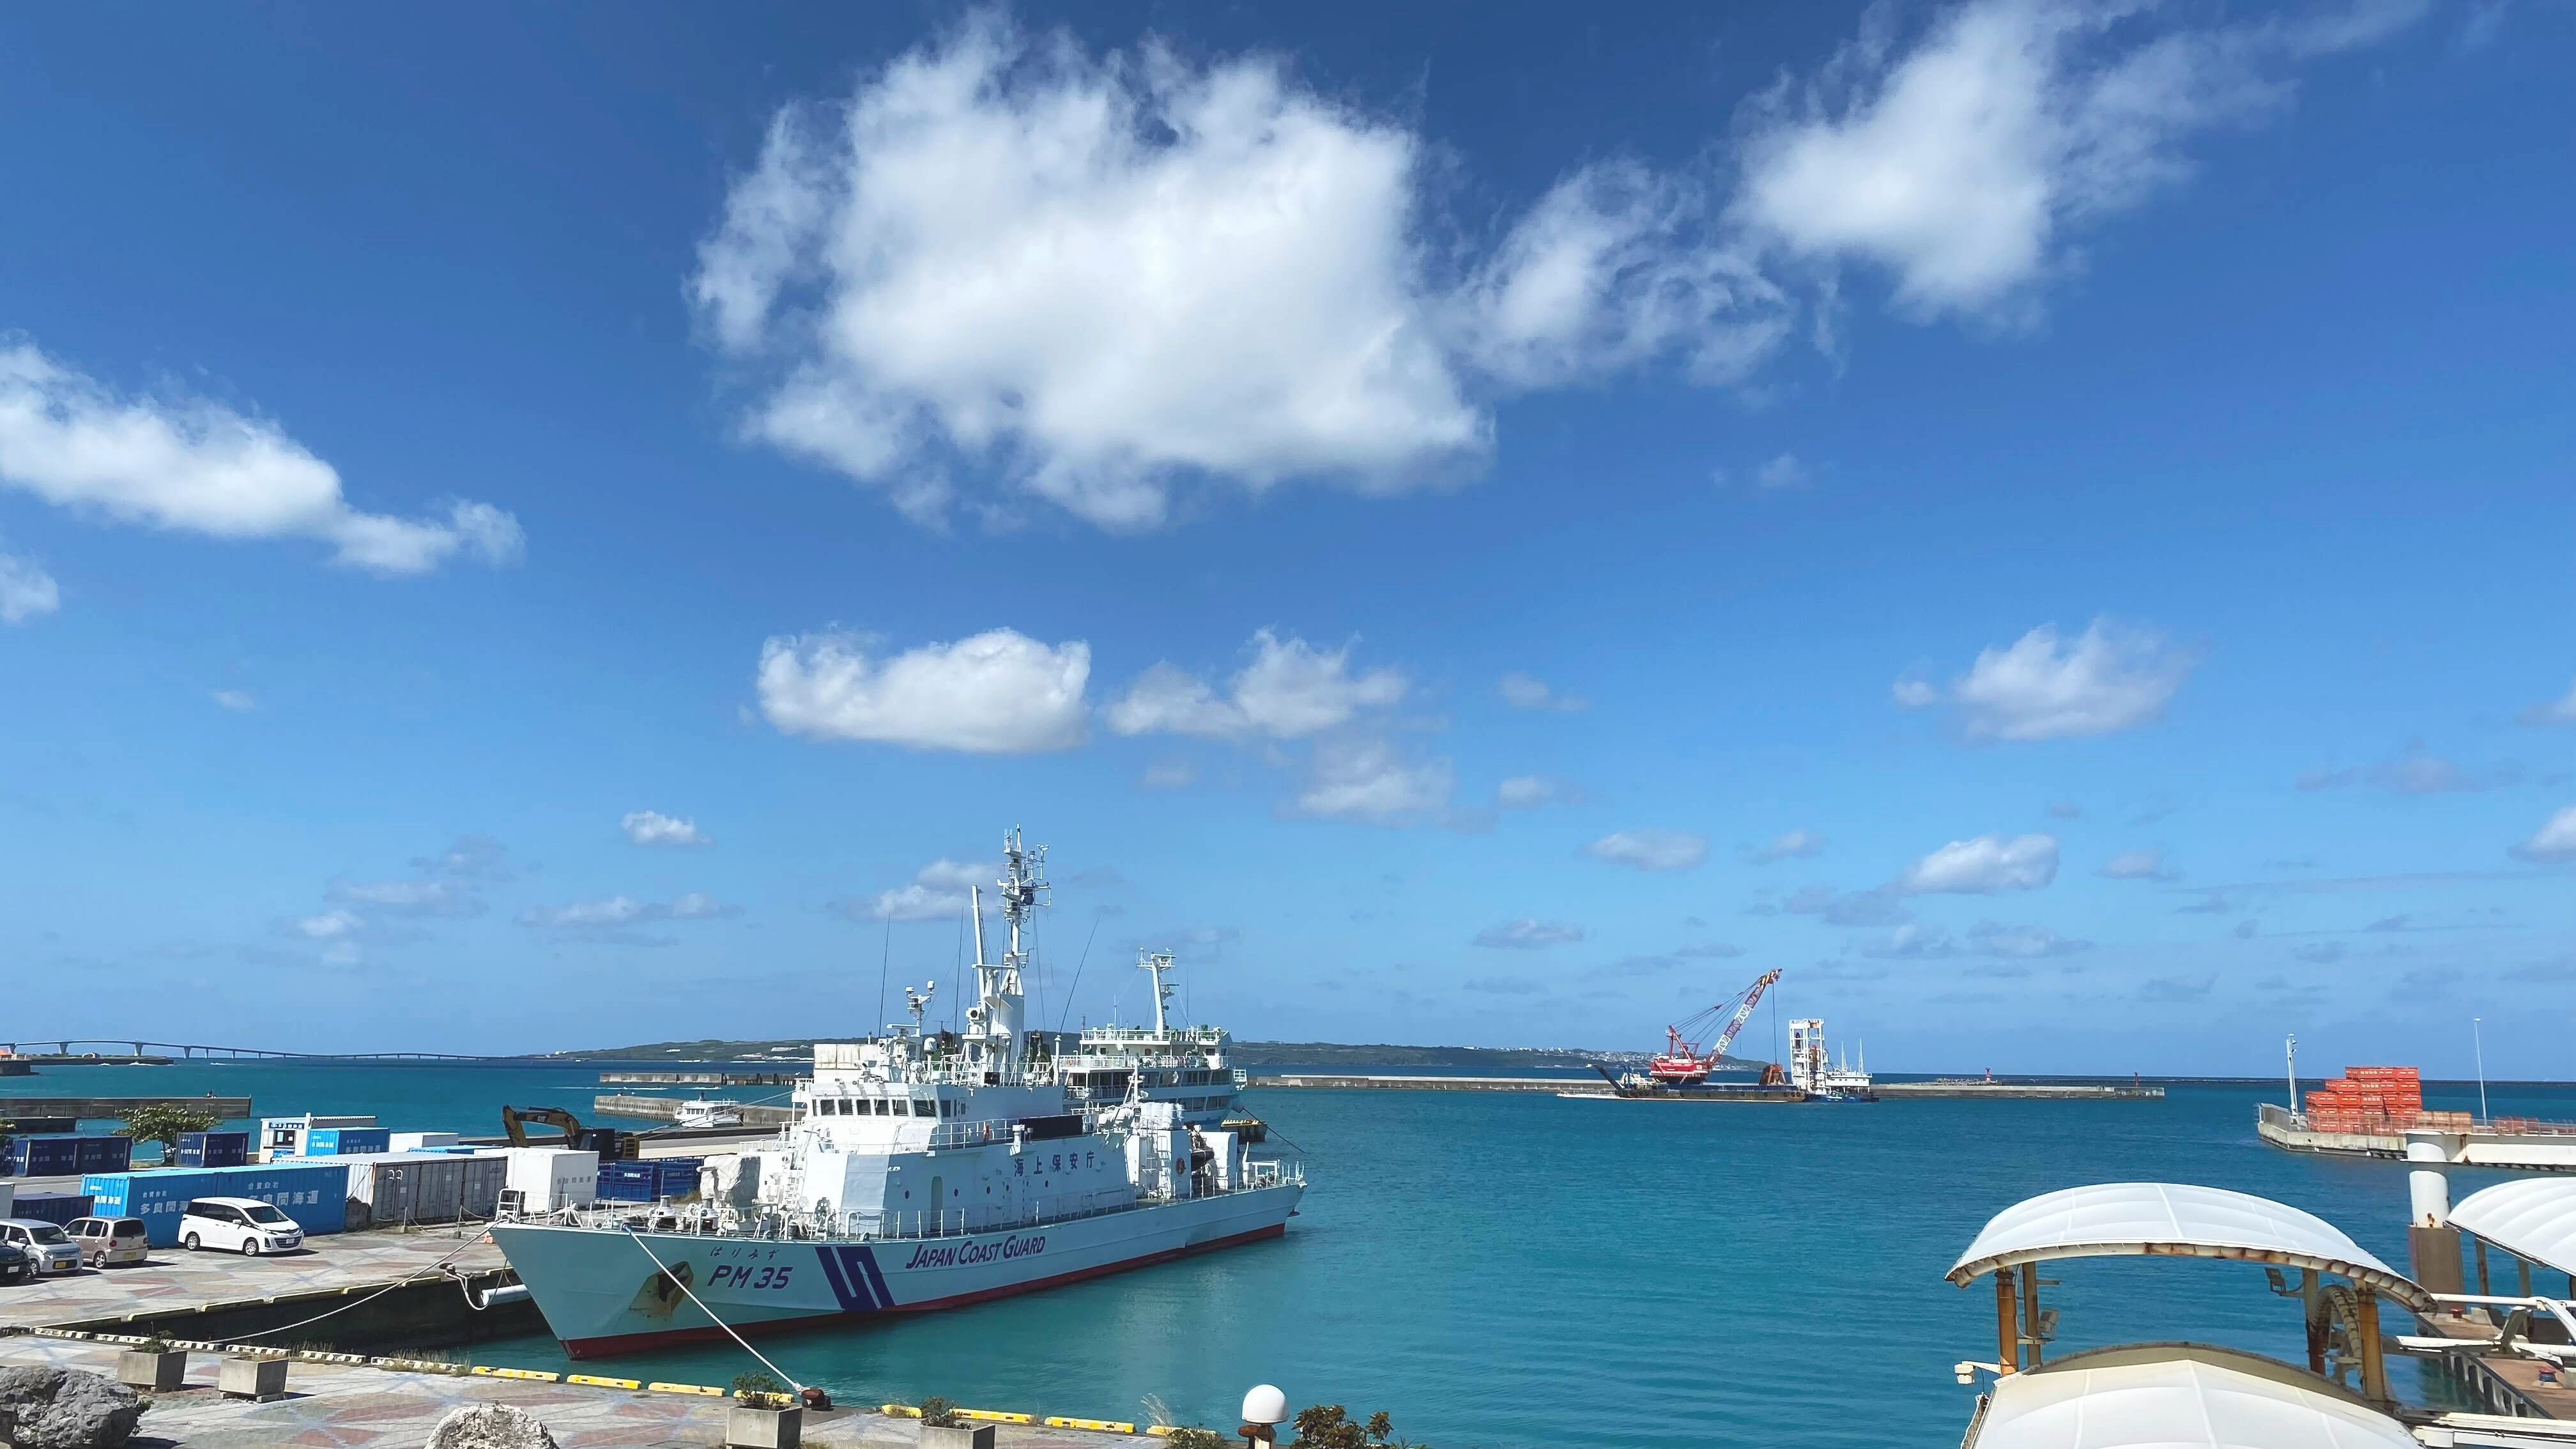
(490, 1426)
(58, 1408)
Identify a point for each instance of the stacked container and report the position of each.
(51, 1207)
(421, 1141)
(549, 1178)
(2366, 1100)
(345, 1141)
(214, 1149)
(314, 1196)
(638, 1181)
(63, 1154)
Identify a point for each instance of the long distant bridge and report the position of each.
(76, 1049)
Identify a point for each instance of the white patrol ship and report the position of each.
(1187, 1066)
(915, 1178)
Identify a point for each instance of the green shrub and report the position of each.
(1195, 1437)
(939, 1413)
(756, 1385)
(1330, 1426)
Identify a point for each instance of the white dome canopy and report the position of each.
(2179, 1396)
(2115, 1219)
(2534, 1218)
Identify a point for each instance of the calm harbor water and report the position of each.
(1514, 1269)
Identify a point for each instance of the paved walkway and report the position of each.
(174, 1279)
(330, 1407)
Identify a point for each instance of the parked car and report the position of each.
(243, 1225)
(110, 1240)
(48, 1249)
(14, 1266)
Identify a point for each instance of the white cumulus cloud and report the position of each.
(200, 467)
(2554, 841)
(1107, 273)
(996, 693)
(26, 590)
(1650, 849)
(1528, 792)
(238, 700)
(2043, 687)
(1289, 689)
(652, 827)
(1960, 165)
(607, 913)
(1987, 864)
(1115, 276)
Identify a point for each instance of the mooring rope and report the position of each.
(424, 1275)
(790, 1379)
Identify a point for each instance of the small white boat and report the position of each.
(699, 1112)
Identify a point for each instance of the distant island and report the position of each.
(1246, 1053)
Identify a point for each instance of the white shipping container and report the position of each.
(548, 1178)
(416, 1141)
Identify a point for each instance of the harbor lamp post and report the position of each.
(2478, 1044)
(2291, 1049)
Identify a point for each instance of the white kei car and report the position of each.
(243, 1225)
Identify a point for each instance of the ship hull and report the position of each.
(602, 1294)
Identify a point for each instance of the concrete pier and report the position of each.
(1980, 1089)
(1589, 1086)
(365, 1406)
(2534, 1151)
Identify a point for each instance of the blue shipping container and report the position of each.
(347, 1141)
(678, 1175)
(315, 1195)
(105, 1154)
(51, 1207)
(47, 1154)
(214, 1149)
(629, 1182)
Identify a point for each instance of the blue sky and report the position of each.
(2047, 522)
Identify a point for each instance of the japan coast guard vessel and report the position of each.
(916, 1177)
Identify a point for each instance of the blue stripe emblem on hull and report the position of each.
(856, 1283)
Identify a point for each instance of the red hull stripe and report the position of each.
(637, 1342)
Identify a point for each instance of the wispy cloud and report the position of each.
(1523, 691)
(2411, 772)
(1982, 866)
(1793, 845)
(2140, 865)
(26, 590)
(1528, 934)
(1650, 849)
(652, 827)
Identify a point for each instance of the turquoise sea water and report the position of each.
(1524, 1270)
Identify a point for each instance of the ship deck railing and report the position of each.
(881, 1227)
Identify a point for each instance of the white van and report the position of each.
(243, 1225)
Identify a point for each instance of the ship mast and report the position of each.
(1158, 962)
(996, 1016)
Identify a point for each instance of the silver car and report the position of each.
(49, 1248)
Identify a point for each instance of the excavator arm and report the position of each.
(514, 1122)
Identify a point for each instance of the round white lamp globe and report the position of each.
(1265, 1405)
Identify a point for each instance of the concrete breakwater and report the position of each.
(667, 1109)
(2019, 1091)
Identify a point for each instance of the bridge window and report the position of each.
(920, 1107)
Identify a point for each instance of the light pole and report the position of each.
(2290, 1049)
(2477, 1040)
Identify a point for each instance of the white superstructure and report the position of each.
(1815, 1073)
(1188, 1066)
(925, 1171)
